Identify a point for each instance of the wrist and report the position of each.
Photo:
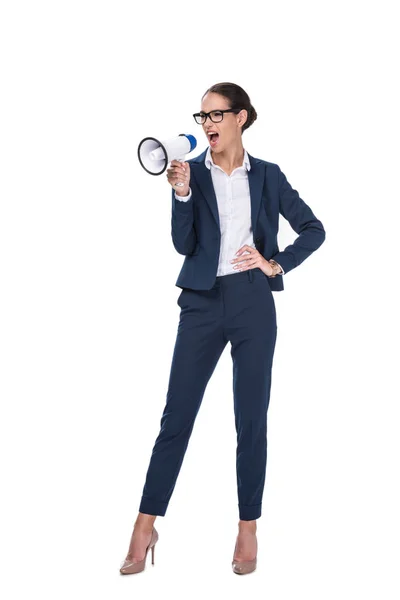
(276, 269)
(182, 193)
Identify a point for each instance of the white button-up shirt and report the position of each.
(234, 209)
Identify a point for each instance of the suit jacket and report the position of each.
(195, 227)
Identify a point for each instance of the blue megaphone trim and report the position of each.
(192, 141)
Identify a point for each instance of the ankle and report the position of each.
(248, 526)
(145, 523)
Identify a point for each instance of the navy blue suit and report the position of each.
(196, 232)
(238, 308)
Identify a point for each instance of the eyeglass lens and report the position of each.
(215, 117)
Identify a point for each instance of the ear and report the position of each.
(243, 116)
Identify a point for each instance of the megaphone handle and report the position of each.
(181, 159)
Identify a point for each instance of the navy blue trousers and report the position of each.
(239, 308)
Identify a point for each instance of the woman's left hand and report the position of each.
(252, 260)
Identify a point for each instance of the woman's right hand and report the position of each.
(179, 172)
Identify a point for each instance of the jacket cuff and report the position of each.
(285, 260)
(184, 198)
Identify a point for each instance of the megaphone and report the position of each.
(154, 155)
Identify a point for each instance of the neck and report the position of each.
(229, 159)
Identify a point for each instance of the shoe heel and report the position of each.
(130, 568)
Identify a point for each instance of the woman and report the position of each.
(225, 222)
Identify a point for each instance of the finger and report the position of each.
(178, 174)
(172, 172)
(249, 259)
(249, 265)
(179, 177)
(177, 163)
(244, 258)
(175, 180)
(244, 263)
(243, 248)
(179, 170)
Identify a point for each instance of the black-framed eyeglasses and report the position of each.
(215, 115)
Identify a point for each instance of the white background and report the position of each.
(89, 313)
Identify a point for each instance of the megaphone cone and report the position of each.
(154, 155)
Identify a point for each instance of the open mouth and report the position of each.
(214, 138)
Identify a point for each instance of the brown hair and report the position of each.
(237, 98)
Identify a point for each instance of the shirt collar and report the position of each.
(209, 161)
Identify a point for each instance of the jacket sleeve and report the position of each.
(303, 221)
(182, 224)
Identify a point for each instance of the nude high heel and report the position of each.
(243, 567)
(130, 567)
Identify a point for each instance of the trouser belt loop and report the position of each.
(250, 274)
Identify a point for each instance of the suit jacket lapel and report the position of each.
(256, 177)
